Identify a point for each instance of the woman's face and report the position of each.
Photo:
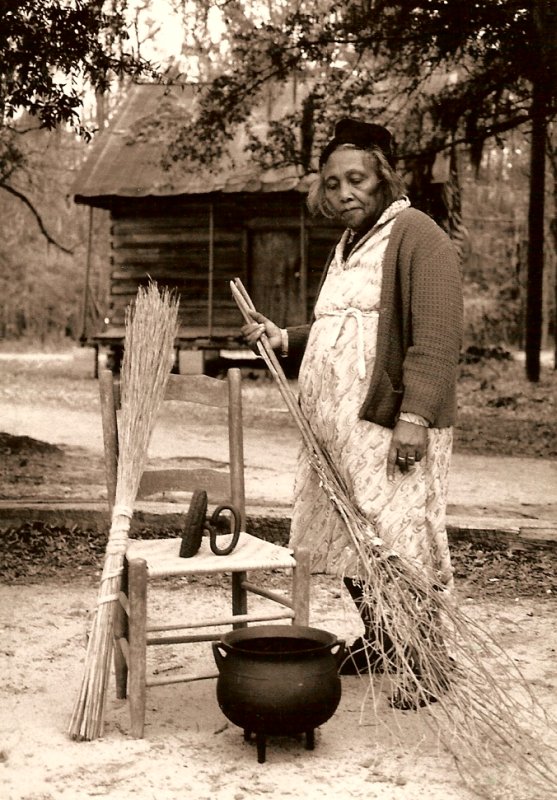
(352, 187)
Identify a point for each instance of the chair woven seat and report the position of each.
(163, 559)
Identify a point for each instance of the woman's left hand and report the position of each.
(408, 447)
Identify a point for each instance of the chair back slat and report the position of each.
(216, 484)
(198, 389)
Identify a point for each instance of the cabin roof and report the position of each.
(123, 164)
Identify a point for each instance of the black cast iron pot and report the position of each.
(278, 680)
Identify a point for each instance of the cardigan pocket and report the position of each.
(384, 405)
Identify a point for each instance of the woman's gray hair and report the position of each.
(391, 185)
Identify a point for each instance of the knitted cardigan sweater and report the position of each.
(420, 326)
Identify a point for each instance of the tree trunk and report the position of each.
(534, 289)
(544, 74)
(553, 230)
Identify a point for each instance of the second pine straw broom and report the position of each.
(435, 662)
(151, 328)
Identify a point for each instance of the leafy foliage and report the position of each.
(42, 286)
(432, 70)
(38, 551)
(51, 49)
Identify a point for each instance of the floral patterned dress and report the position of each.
(407, 514)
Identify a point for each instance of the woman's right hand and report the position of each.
(253, 331)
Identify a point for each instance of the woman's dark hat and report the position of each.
(362, 134)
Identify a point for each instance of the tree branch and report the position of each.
(33, 210)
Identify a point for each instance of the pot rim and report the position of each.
(320, 639)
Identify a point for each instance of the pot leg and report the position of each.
(260, 741)
(310, 740)
(247, 735)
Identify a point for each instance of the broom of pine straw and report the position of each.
(437, 658)
(151, 328)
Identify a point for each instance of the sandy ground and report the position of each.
(190, 750)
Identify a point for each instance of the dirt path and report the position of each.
(492, 486)
(270, 455)
(53, 398)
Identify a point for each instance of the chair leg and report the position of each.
(137, 579)
(301, 577)
(121, 632)
(239, 597)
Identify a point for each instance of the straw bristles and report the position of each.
(151, 328)
(431, 657)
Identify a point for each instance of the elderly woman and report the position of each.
(378, 370)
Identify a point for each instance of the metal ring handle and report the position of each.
(213, 534)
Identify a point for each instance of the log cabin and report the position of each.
(195, 230)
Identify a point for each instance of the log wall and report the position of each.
(179, 241)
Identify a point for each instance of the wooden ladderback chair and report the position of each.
(147, 559)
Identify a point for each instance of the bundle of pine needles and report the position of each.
(436, 660)
(151, 327)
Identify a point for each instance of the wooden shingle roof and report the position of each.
(123, 164)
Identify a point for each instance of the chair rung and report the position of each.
(267, 593)
(181, 678)
(237, 619)
(231, 620)
(183, 639)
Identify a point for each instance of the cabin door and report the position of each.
(276, 276)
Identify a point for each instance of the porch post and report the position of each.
(303, 263)
(211, 268)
